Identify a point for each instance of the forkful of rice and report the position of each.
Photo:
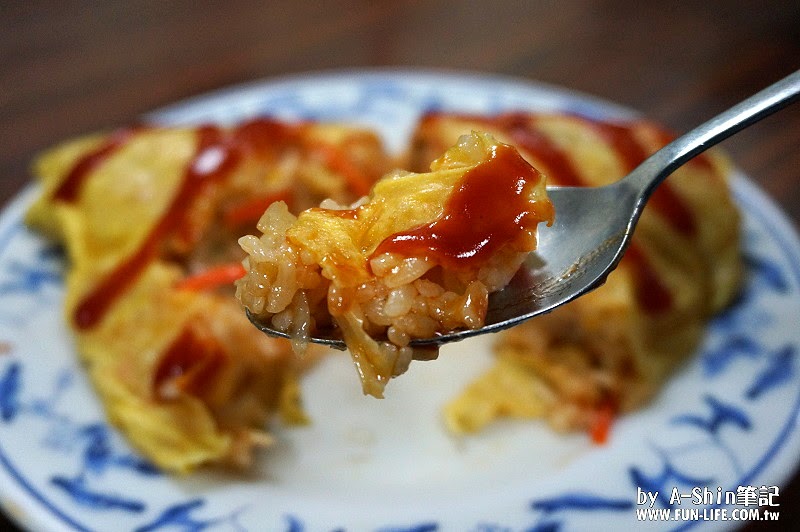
(431, 258)
(390, 276)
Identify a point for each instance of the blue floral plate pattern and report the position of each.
(727, 419)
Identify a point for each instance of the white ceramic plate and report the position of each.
(728, 419)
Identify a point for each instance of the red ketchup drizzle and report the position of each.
(561, 171)
(264, 136)
(559, 167)
(651, 295)
(213, 160)
(487, 210)
(191, 361)
(664, 199)
(217, 154)
(72, 184)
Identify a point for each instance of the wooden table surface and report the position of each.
(74, 67)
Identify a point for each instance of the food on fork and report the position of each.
(149, 218)
(417, 257)
(611, 350)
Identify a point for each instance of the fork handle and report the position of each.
(658, 166)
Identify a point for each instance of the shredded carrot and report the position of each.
(250, 211)
(212, 278)
(601, 426)
(338, 161)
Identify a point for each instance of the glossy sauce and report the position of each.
(70, 187)
(191, 362)
(212, 159)
(651, 294)
(487, 210)
(632, 153)
(533, 141)
(562, 172)
(264, 136)
(216, 155)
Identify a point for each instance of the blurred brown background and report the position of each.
(73, 67)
